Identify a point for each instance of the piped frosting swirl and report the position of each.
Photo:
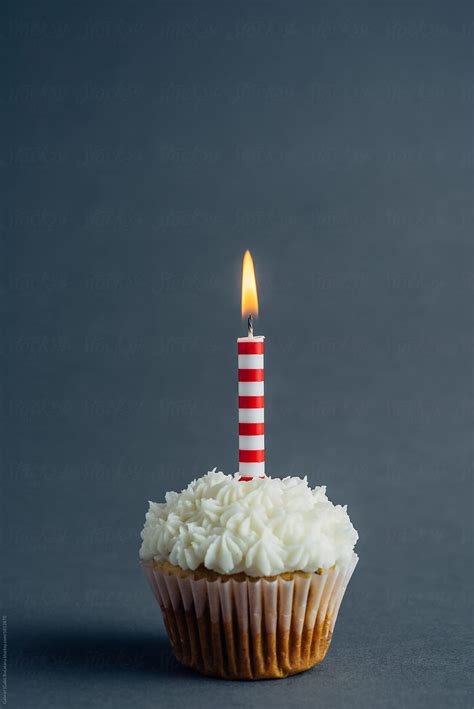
(262, 527)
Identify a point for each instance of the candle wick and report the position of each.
(250, 325)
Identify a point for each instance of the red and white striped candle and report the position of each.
(251, 407)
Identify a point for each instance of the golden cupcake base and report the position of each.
(243, 628)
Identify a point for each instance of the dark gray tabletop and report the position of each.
(147, 145)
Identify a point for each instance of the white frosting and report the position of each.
(262, 527)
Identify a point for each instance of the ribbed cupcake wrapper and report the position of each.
(250, 629)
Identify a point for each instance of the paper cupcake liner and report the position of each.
(251, 628)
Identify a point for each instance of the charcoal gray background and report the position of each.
(147, 145)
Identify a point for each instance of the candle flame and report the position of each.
(249, 287)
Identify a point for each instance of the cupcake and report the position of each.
(249, 575)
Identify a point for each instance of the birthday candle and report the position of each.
(251, 383)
